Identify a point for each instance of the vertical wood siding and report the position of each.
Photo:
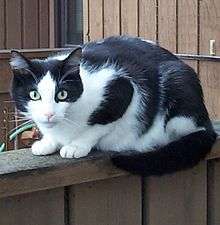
(182, 26)
(185, 198)
(26, 24)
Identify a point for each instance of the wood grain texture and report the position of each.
(177, 199)
(13, 24)
(209, 25)
(115, 201)
(43, 24)
(2, 24)
(96, 19)
(111, 17)
(147, 19)
(5, 76)
(209, 72)
(30, 24)
(214, 193)
(86, 21)
(188, 29)
(167, 24)
(209, 76)
(188, 26)
(39, 208)
(21, 172)
(129, 17)
(52, 38)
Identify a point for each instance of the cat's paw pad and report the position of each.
(41, 148)
(74, 151)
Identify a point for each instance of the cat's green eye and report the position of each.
(62, 95)
(34, 95)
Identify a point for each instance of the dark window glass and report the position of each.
(74, 22)
(70, 22)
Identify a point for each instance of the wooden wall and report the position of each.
(182, 26)
(90, 191)
(26, 24)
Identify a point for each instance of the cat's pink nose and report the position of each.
(49, 115)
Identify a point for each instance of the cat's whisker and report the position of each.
(21, 117)
(70, 121)
(17, 120)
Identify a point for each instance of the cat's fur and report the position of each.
(125, 95)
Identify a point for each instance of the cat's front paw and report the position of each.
(43, 148)
(74, 151)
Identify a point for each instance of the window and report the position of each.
(69, 22)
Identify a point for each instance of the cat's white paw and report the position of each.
(43, 148)
(74, 150)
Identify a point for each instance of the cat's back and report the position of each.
(125, 51)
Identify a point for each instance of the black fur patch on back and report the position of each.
(117, 98)
(140, 60)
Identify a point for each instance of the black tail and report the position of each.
(178, 155)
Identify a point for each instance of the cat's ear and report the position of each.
(18, 61)
(74, 57)
(20, 65)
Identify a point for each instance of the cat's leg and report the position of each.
(45, 146)
(81, 146)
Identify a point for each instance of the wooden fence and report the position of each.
(26, 24)
(50, 190)
(182, 26)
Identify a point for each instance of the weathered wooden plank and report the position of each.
(188, 29)
(114, 202)
(214, 192)
(167, 24)
(21, 172)
(86, 21)
(95, 19)
(210, 30)
(188, 26)
(43, 208)
(147, 19)
(52, 18)
(129, 17)
(30, 24)
(215, 153)
(209, 76)
(43, 24)
(13, 24)
(2, 24)
(209, 25)
(5, 76)
(111, 17)
(177, 199)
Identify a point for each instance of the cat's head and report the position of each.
(43, 90)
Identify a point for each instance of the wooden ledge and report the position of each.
(22, 172)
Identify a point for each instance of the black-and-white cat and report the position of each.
(122, 94)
